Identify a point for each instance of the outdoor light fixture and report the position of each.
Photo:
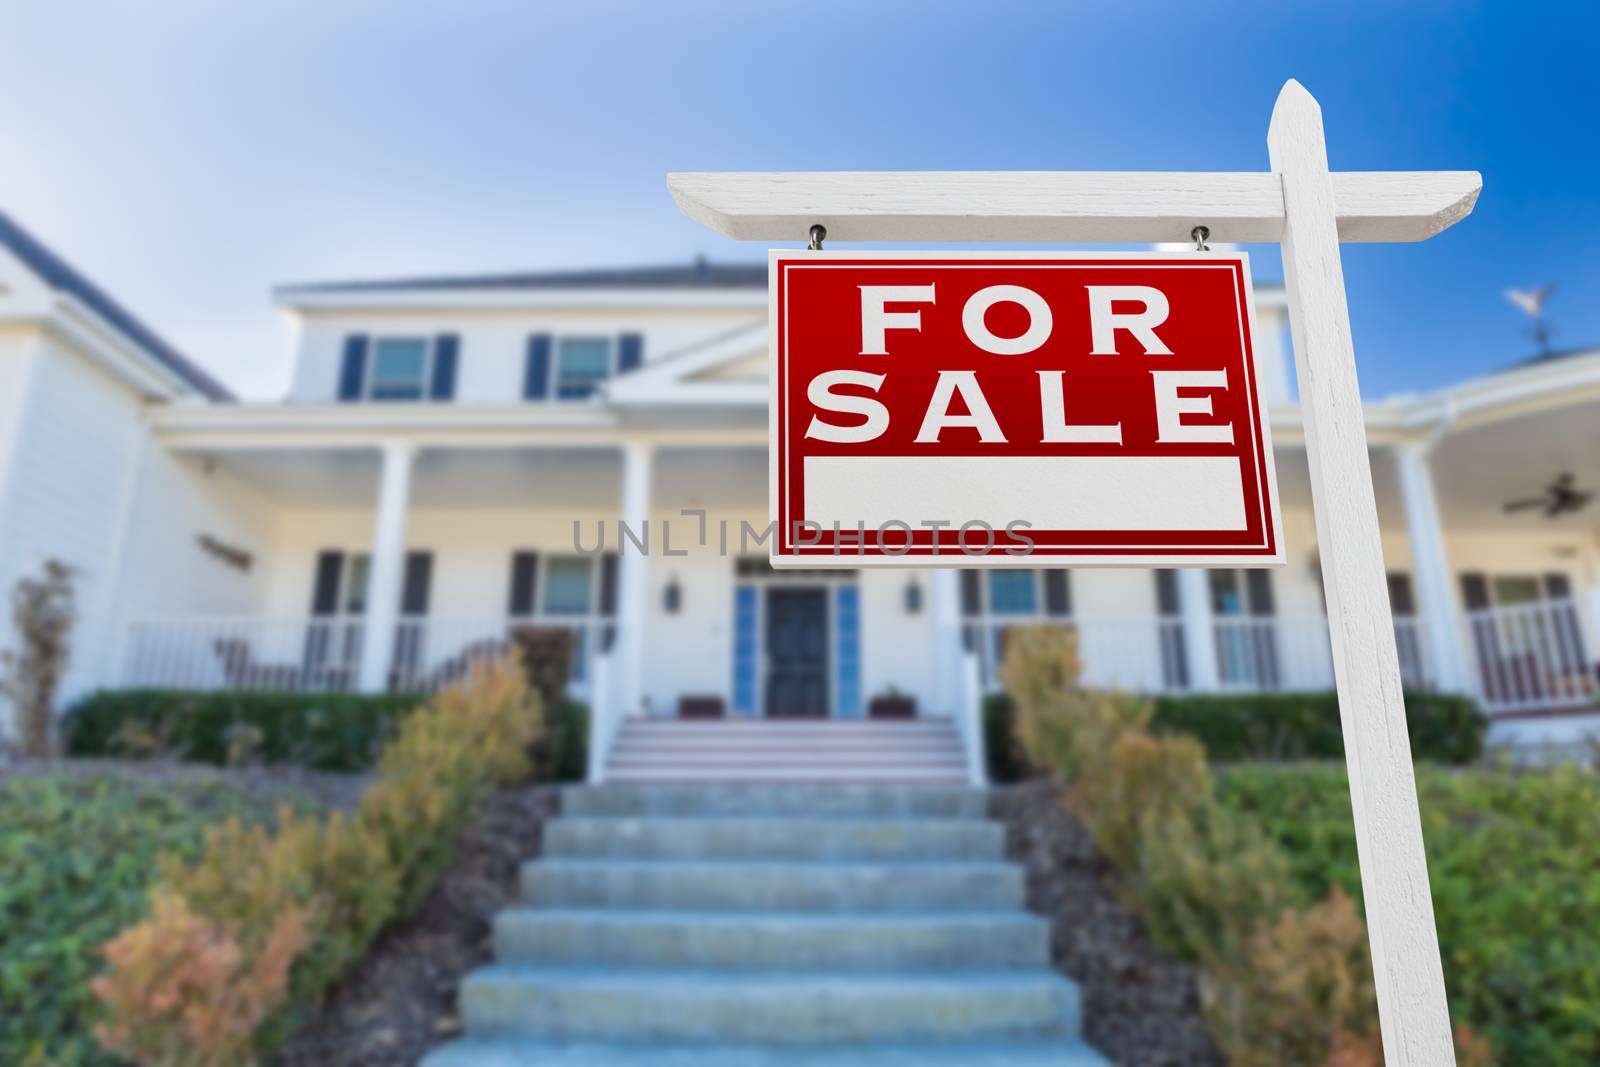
(672, 596)
(913, 598)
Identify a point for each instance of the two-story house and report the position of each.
(455, 455)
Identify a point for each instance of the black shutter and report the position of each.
(1258, 583)
(1167, 593)
(1557, 586)
(353, 369)
(536, 372)
(608, 585)
(445, 348)
(418, 579)
(630, 352)
(524, 577)
(1474, 591)
(325, 586)
(971, 594)
(1401, 601)
(1057, 593)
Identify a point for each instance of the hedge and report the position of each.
(321, 731)
(1514, 865)
(79, 854)
(1246, 727)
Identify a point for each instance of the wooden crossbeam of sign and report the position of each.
(1064, 206)
(1309, 211)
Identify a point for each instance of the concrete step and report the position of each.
(786, 756)
(756, 838)
(832, 801)
(790, 727)
(751, 774)
(773, 886)
(768, 1007)
(772, 941)
(514, 1051)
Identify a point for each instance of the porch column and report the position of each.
(949, 652)
(1431, 570)
(633, 575)
(386, 570)
(1199, 633)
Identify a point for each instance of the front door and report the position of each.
(797, 653)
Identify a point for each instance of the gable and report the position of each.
(748, 368)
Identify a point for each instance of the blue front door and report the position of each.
(797, 653)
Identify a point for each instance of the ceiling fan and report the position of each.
(1560, 497)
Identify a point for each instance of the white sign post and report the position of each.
(1309, 211)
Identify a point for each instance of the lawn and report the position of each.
(1514, 863)
(78, 852)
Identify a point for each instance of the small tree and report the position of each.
(42, 610)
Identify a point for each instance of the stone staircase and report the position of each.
(720, 925)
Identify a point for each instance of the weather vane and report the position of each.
(1531, 301)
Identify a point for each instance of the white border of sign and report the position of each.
(1309, 210)
(954, 557)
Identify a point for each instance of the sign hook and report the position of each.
(818, 233)
(1201, 234)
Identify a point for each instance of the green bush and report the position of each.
(1514, 864)
(78, 856)
(240, 941)
(1245, 727)
(1298, 726)
(322, 731)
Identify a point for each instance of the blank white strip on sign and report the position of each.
(1051, 492)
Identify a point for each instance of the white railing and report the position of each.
(244, 652)
(431, 653)
(1151, 655)
(323, 653)
(1540, 655)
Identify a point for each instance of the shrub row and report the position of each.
(77, 854)
(1286, 976)
(321, 731)
(1245, 727)
(1514, 864)
(241, 940)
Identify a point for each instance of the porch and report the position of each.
(1530, 657)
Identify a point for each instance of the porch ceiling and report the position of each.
(1476, 470)
(444, 479)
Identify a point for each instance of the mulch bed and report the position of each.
(1140, 1007)
(400, 1000)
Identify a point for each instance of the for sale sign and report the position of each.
(1017, 409)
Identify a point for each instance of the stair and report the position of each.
(914, 751)
(718, 925)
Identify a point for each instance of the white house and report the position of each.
(451, 447)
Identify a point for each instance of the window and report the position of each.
(1513, 589)
(582, 363)
(568, 586)
(1013, 592)
(1237, 593)
(354, 598)
(399, 369)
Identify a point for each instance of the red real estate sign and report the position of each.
(1017, 409)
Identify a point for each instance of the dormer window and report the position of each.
(573, 368)
(582, 363)
(399, 369)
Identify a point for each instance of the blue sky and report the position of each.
(190, 157)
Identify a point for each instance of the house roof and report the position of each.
(63, 277)
(1551, 357)
(698, 274)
